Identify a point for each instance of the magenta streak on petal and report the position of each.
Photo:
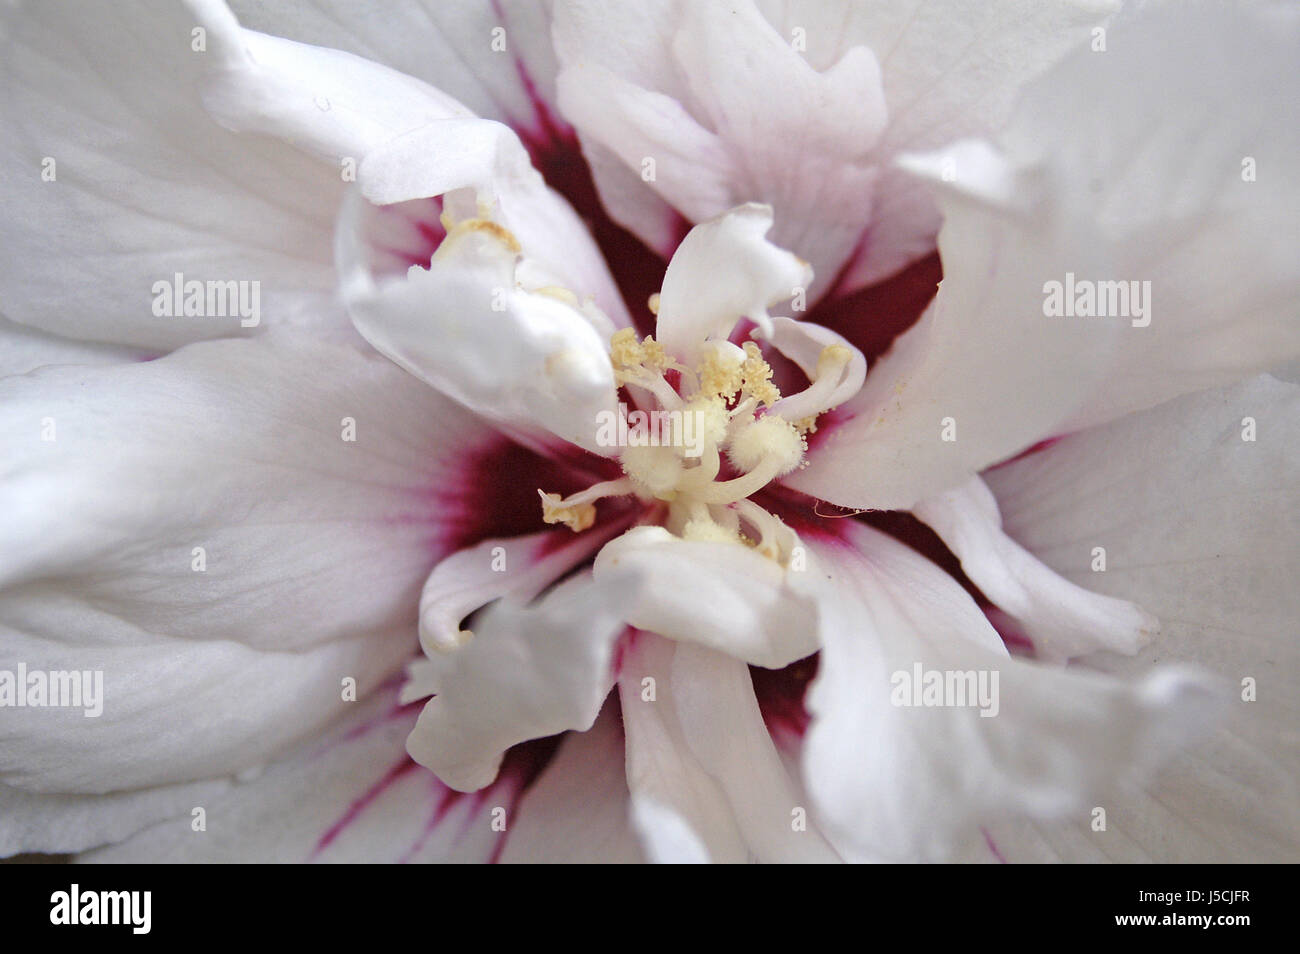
(988, 840)
(398, 711)
(443, 800)
(399, 770)
(522, 767)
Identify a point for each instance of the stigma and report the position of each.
(686, 421)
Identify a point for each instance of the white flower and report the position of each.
(236, 534)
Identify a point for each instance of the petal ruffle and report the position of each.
(786, 104)
(508, 75)
(1061, 619)
(724, 595)
(894, 780)
(56, 824)
(325, 101)
(203, 530)
(518, 566)
(578, 810)
(1082, 188)
(117, 179)
(24, 349)
(684, 80)
(1199, 525)
(534, 361)
(528, 671)
(725, 269)
(680, 812)
(352, 795)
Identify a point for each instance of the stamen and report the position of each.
(717, 399)
(709, 531)
(720, 375)
(738, 488)
(577, 511)
(577, 517)
(707, 471)
(819, 396)
(656, 385)
(766, 524)
(757, 375)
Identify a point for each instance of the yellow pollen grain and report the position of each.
(653, 304)
(558, 292)
(624, 350)
(577, 518)
(629, 356)
(757, 375)
(719, 377)
(653, 355)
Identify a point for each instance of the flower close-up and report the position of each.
(649, 431)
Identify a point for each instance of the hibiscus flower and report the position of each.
(335, 337)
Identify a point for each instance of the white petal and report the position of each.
(724, 270)
(171, 710)
(804, 149)
(949, 70)
(521, 566)
(144, 185)
(967, 386)
(1091, 151)
(625, 197)
(351, 795)
(1062, 620)
(684, 80)
(900, 782)
(507, 75)
(527, 672)
(721, 723)
(403, 138)
(527, 359)
(653, 135)
(24, 349)
(223, 446)
(488, 158)
(329, 102)
(55, 824)
(578, 811)
(198, 528)
(726, 596)
(1198, 525)
(680, 813)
